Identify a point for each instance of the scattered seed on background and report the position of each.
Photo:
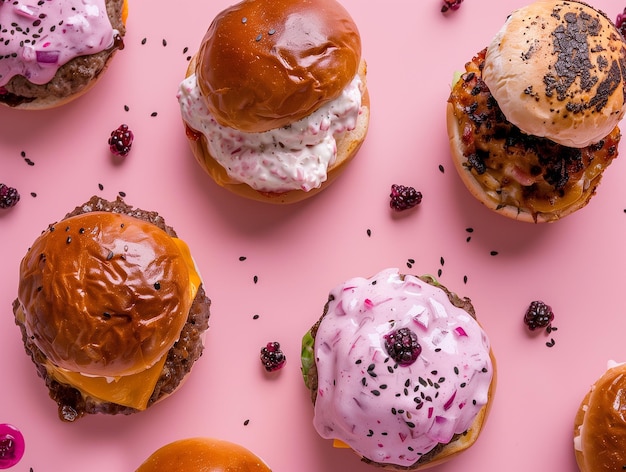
(493, 253)
(154, 113)
(101, 187)
(122, 194)
(242, 258)
(143, 41)
(369, 232)
(164, 42)
(255, 279)
(441, 169)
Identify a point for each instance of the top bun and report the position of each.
(556, 70)
(203, 455)
(95, 300)
(600, 423)
(264, 64)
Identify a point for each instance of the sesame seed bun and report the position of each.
(556, 69)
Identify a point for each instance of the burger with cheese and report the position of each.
(111, 308)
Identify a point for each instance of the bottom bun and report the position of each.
(203, 455)
(348, 145)
(600, 424)
(519, 213)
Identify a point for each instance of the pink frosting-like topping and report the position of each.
(386, 412)
(39, 36)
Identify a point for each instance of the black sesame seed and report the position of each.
(164, 43)
(157, 286)
(494, 253)
(110, 255)
(33, 194)
(245, 423)
(441, 169)
(258, 38)
(369, 232)
(271, 32)
(255, 317)
(456, 370)
(376, 393)
(68, 240)
(242, 258)
(143, 41)
(244, 20)
(154, 113)
(121, 194)
(101, 187)
(126, 108)
(255, 279)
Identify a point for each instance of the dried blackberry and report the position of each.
(272, 357)
(402, 346)
(8, 196)
(538, 315)
(620, 22)
(450, 5)
(403, 197)
(121, 140)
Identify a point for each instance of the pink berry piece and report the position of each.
(8, 196)
(121, 140)
(404, 197)
(450, 5)
(11, 445)
(272, 357)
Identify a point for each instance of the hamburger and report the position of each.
(275, 101)
(111, 309)
(203, 455)
(533, 120)
(600, 423)
(399, 371)
(36, 75)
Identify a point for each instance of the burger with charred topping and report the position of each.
(533, 119)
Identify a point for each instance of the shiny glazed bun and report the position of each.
(111, 308)
(296, 111)
(556, 70)
(532, 121)
(203, 455)
(96, 300)
(399, 371)
(600, 423)
(290, 58)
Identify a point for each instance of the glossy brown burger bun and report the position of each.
(94, 300)
(49, 101)
(203, 455)
(492, 202)
(290, 57)
(348, 145)
(600, 424)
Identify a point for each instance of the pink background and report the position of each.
(300, 252)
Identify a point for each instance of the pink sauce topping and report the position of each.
(39, 36)
(393, 413)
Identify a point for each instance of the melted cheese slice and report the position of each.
(130, 390)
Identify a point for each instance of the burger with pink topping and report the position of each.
(399, 370)
(54, 52)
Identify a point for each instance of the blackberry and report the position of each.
(450, 5)
(402, 346)
(538, 315)
(121, 140)
(272, 357)
(8, 196)
(403, 197)
(620, 23)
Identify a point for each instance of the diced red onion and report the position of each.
(47, 57)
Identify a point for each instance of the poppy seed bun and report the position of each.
(203, 455)
(600, 424)
(556, 69)
(291, 58)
